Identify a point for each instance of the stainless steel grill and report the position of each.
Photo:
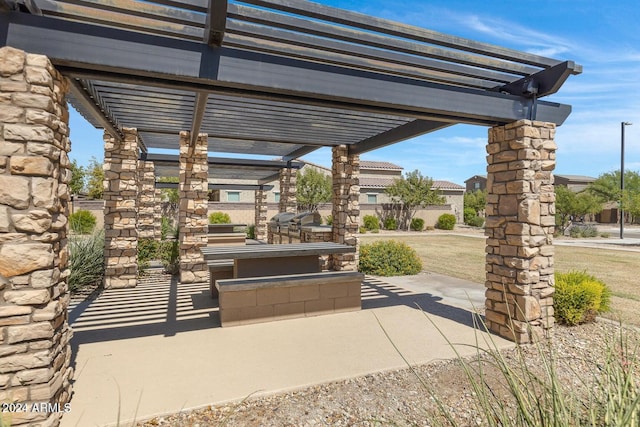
(304, 219)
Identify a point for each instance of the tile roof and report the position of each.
(375, 182)
(367, 164)
(576, 177)
(385, 182)
(476, 177)
(446, 185)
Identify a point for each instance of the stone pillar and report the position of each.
(261, 215)
(346, 207)
(192, 218)
(157, 214)
(34, 207)
(120, 210)
(146, 200)
(288, 200)
(519, 229)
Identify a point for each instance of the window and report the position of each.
(476, 185)
(372, 198)
(276, 196)
(233, 196)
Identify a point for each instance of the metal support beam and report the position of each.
(212, 186)
(172, 159)
(409, 130)
(269, 179)
(199, 107)
(542, 83)
(216, 22)
(75, 44)
(302, 151)
(87, 102)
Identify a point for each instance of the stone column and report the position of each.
(346, 207)
(288, 200)
(192, 218)
(146, 200)
(34, 207)
(157, 214)
(261, 215)
(120, 210)
(519, 229)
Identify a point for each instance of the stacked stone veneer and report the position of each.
(147, 202)
(192, 219)
(288, 200)
(34, 208)
(346, 208)
(519, 228)
(121, 210)
(260, 219)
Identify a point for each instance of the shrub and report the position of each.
(583, 231)
(579, 297)
(469, 213)
(370, 222)
(417, 224)
(169, 255)
(251, 231)
(219, 218)
(390, 224)
(389, 258)
(86, 260)
(147, 250)
(446, 221)
(605, 235)
(429, 228)
(82, 221)
(166, 229)
(329, 219)
(362, 229)
(476, 221)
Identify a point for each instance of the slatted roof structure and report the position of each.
(276, 77)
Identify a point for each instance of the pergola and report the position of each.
(279, 78)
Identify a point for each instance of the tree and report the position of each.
(95, 179)
(476, 200)
(570, 204)
(607, 189)
(313, 188)
(77, 178)
(170, 200)
(413, 191)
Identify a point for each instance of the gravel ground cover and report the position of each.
(403, 397)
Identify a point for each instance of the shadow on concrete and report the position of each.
(159, 305)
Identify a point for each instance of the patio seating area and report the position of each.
(160, 344)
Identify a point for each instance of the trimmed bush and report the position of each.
(370, 222)
(476, 221)
(389, 258)
(417, 224)
(469, 213)
(583, 231)
(579, 297)
(82, 221)
(219, 218)
(251, 231)
(446, 221)
(86, 260)
(390, 224)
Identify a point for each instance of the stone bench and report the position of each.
(235, 238)
(262, 299)
(219, 269)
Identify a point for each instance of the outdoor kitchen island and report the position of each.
(273, 282)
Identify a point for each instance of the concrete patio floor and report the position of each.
(159, 348)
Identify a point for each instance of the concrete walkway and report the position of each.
(159, 347)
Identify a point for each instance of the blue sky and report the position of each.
(601, 36)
